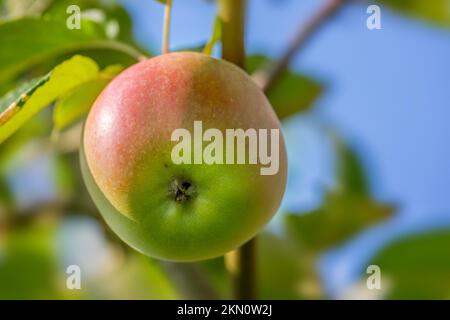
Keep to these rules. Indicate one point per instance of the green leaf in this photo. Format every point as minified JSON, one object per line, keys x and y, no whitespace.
{"x":6,"y":198}
{"x":283,"y":271}
{"x":61,"y":80}
{"x":217,"y":275}
{"x":345,"y":211}
{"x":195,"y":48}
{"x":278,"y":269}
{"x":293,"y":93}
{"x":216,"y":36}
{"x":109,"y":14}
{"x":417,"y":266}
{"x":340,"y":218}
{"x":436,"y":11}
{"x":51,"y":38}
{"x":37,"y":127}
{"x":256,"y":62}
{"x":350,"y":170}
{"x":137,"y":278}
{"x":18,"y":95}
{"x":28,"y":267}
{"x":18,"y":8}
{"x":79,"y":100}
{"x":63,"y":176}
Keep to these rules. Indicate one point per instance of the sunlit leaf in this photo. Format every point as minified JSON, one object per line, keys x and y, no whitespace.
{"x":19,"y":95}
{"x":61,"y":80}
{"x":417,"y":266}
{"x":79,"y":100}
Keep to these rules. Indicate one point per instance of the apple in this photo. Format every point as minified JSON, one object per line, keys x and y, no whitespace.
{"x":167,"y":210}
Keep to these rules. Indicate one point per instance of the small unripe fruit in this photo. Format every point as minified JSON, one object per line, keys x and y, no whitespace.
{"x":171,"y":211}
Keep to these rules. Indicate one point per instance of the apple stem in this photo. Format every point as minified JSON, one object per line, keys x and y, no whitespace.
{"x":166,"y":27}
{"x":232,"y":15}
{"x":243,"y":260}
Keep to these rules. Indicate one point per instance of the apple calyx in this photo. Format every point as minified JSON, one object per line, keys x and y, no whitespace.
{"x":181,"y":190}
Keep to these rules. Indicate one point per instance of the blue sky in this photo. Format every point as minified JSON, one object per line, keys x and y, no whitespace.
{"x":387,"y":93}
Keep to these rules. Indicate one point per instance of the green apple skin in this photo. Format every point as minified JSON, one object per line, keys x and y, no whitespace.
{"x":126,"y":158}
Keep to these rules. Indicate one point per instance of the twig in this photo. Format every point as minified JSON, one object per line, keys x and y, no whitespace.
{"x":305,"y":33}
{"x":166,"y":28}
{"x":241,"y":264}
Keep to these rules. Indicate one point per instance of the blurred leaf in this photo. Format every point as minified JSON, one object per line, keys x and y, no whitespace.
{"x":109,"y":14}
{"x":19,"y":8}
{"x":138,"y":278}
{"x":351,"y":173}
{"x":218,"y":276}
{"x":6,"y":199}
{"x":189,"y":279}
{"x":3,"y":11}
{"x":436,"y":11}
{"x":340,"y":218}
{"x":345,"y":211}
{"x":79,"y":100}
{"x":293,"y":93}
{"x":161,"y":1}
{"x":106,"y":36}
{"x":37,"y":127}
{"x":417,"y":266}
{"x":28,"y":266}
{"x":257,"y":62}
{"x":63,"y":78}
{"x":216,"y":36}
{"x":51,"y":38}
{"x":283,"y":271}
{"x":64,"y":178}
{"x":195,"y":48}
{"x":278,"y":269}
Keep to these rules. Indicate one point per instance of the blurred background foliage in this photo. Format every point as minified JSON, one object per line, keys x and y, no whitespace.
{"x":47,"y":220}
